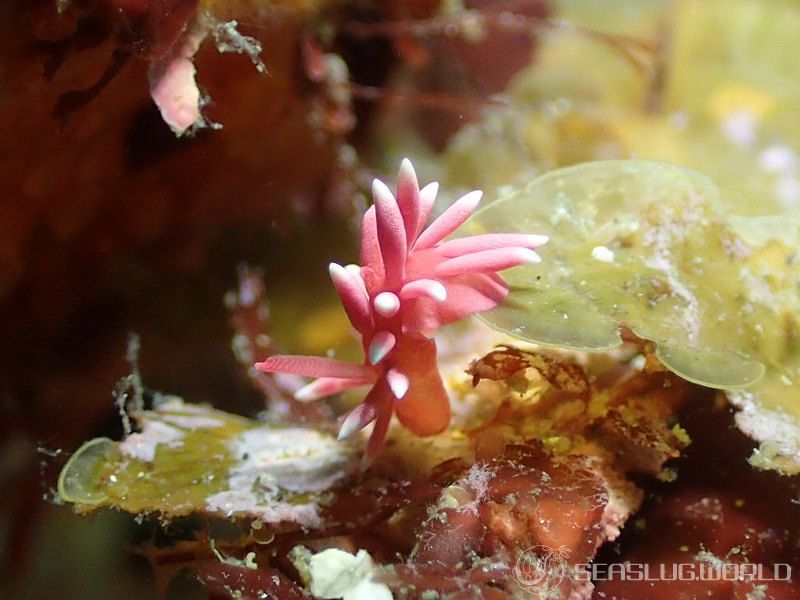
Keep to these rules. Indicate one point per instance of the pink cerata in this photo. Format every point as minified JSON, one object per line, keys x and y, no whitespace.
{"x":410,"y":282}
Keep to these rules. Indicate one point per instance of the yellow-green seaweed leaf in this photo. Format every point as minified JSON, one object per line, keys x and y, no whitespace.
{"x":728,"y":109}
{"x":639,"y":244}
{"x":80,"y":481}
{"x":193,"y":459}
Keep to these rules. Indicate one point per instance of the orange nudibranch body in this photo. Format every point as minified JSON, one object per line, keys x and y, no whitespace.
{"x":425,"y":408}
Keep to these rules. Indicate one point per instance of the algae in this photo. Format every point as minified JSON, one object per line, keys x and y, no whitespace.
{"x":725,"y":109}
{"x":722,"y":309}
{"x":193,"y":459}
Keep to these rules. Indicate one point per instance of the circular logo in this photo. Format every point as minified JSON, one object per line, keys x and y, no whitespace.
{"x":541,"y":569}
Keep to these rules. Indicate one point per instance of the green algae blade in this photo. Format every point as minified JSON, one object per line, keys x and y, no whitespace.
{"x":636,"y":244}
{"x":80,"y":481}
{"x":734,"y":120}
{"x":192,"y":459}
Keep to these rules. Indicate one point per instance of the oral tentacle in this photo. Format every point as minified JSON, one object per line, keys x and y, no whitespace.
{"x":316,"y":366}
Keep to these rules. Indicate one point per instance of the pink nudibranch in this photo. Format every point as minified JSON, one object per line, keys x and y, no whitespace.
{"x":409,"y":283}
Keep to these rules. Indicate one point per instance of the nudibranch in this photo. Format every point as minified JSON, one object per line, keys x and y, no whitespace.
{"x":410,"y":282}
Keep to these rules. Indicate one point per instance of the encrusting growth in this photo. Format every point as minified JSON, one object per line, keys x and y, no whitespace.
{"x":410,"y":282}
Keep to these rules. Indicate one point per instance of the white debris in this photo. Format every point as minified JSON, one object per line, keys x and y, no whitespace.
{"x":277,"y":461}
{"x":777,"y":430}
{"x":296,"y":458}
{"x":334,"y":573}
{"x":228,"y":39}
{"x":175,"y":404}
{"x":142,"y":445}
{"x":265,"y":506}
{"x":192,"y":422}
{"x":167,"y":424}
{"x":602,"y":254}
{"x":741,"y":127}
{"x":777,"y":158}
